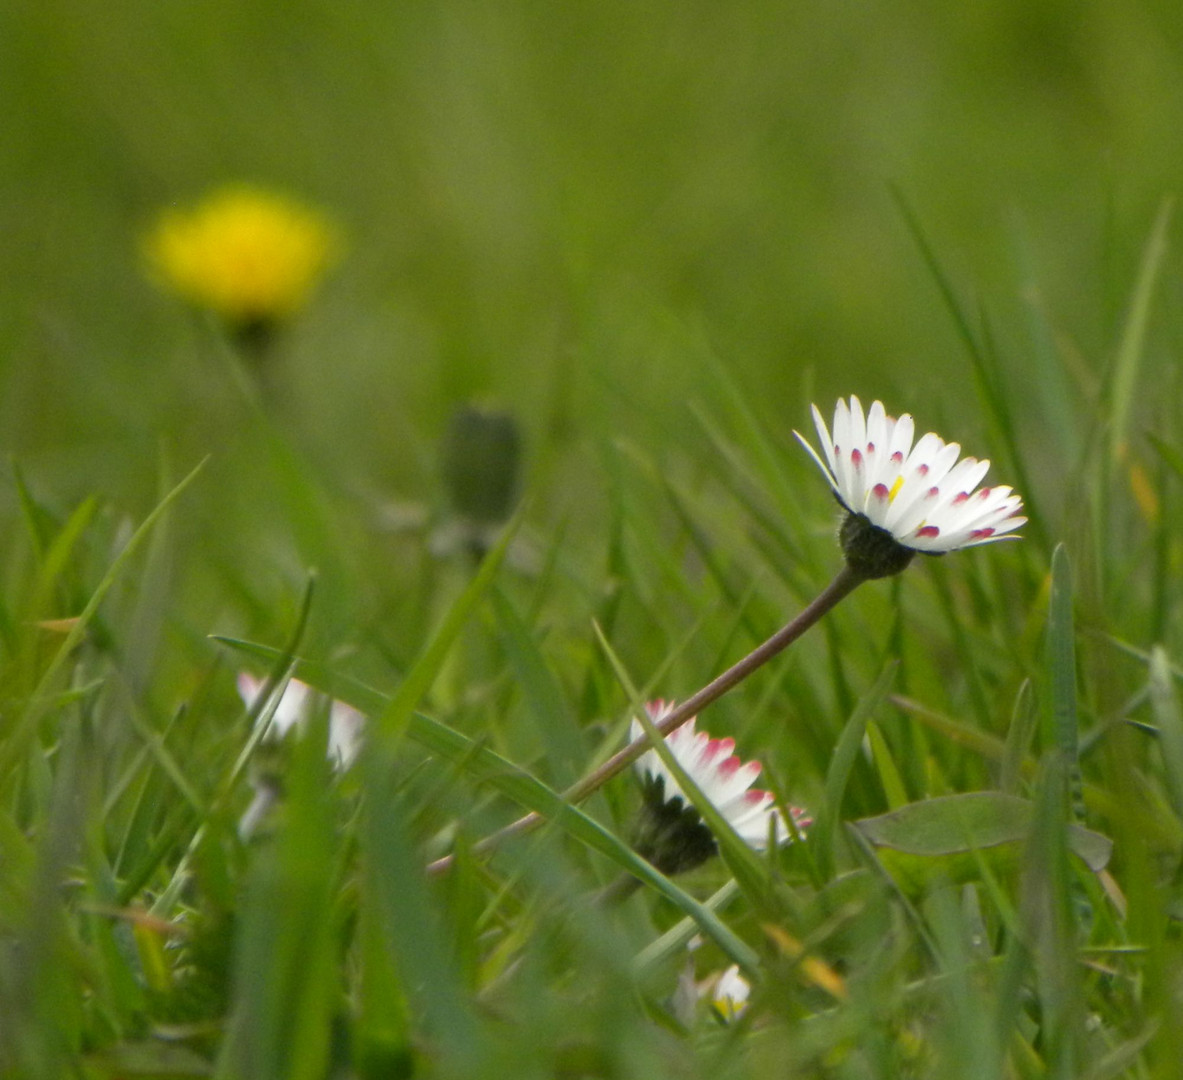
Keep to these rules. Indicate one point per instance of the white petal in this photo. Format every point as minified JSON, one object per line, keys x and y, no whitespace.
{"x":293,"y":709}
{"x":842,"y":445}
{"x":901,"y":437}
{"x":731,"y":992}
{"x":823,"y":433}
{"x":858,"y":425}
{"x":827,"y":470}
{"x":720,"y":776}
{"x":346,"y":726}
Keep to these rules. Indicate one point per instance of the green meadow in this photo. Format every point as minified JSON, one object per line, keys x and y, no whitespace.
{"x":520,"y":460}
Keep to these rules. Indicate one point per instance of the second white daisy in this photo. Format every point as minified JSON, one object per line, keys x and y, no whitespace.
{"x":671,"y":834}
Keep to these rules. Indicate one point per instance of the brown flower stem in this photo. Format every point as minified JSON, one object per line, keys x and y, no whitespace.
{"x":843,"y":584}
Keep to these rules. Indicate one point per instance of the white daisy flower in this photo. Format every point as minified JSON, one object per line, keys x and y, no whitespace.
{"x":921,"y":495}
{"x":296,"y":706}
{"x":729,"y":993}
{"x":672,"y":835}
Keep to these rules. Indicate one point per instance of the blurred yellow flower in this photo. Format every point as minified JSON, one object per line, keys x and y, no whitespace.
{"x":250,"y":256}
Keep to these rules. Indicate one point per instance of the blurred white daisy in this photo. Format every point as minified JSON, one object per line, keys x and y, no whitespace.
{"x":729,"y":993}
{"x":921,"y":496}
{"x":294,"y":709}
{"x":671,"y":834}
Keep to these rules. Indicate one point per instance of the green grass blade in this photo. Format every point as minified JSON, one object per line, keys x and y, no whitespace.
{"x":1023,"y":722}
{"x":889,"y":774}
{"x":1170,"y":454}
{"x":285,"y":978}
{"x":26,"y":724}
{"x":823,"y":835}
{"x":674,"y":941}
{"x":1169,"y":719}
{"x":487,"y":767}
{"x":544,"y":696}
{"x":1124,"y":377}
{"x":1061,"y":729}
{"x":389,"y":725}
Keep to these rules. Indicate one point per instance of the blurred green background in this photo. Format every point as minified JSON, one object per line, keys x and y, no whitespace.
{"x":565,"y":209}
{"x":622,"y":222}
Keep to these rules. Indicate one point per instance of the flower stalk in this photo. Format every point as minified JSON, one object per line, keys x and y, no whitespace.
{"x":901,"y":496}
{"x":843,"y":584}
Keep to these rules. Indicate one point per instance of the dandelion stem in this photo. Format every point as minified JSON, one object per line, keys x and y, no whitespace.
{"x":843,"y":584}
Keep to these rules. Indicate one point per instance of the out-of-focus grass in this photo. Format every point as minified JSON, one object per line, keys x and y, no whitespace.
{"x":655,"y":234}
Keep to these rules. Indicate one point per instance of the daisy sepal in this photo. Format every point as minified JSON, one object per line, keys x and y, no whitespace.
{"x":514,"y":782}
{"x":747,"y":866}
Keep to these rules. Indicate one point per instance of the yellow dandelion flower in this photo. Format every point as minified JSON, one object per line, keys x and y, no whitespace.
{"x":249,"y":256}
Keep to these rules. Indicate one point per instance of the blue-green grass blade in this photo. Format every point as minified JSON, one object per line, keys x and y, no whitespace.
{"x":674,"y":941}
{"x":1051,"y":926}
{"x":409,"y":930}
{"x":968,"y":1038}
{"x":382,"y":1036}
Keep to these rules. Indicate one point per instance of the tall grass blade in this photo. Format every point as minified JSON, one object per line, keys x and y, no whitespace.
{"x":1169,"y":720}
{"x":24,"y":728}
{"x":823,"y":835}
{"x":285,"y":976}
{"x":1061,"y":726}
{"x":1124,"y":376}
